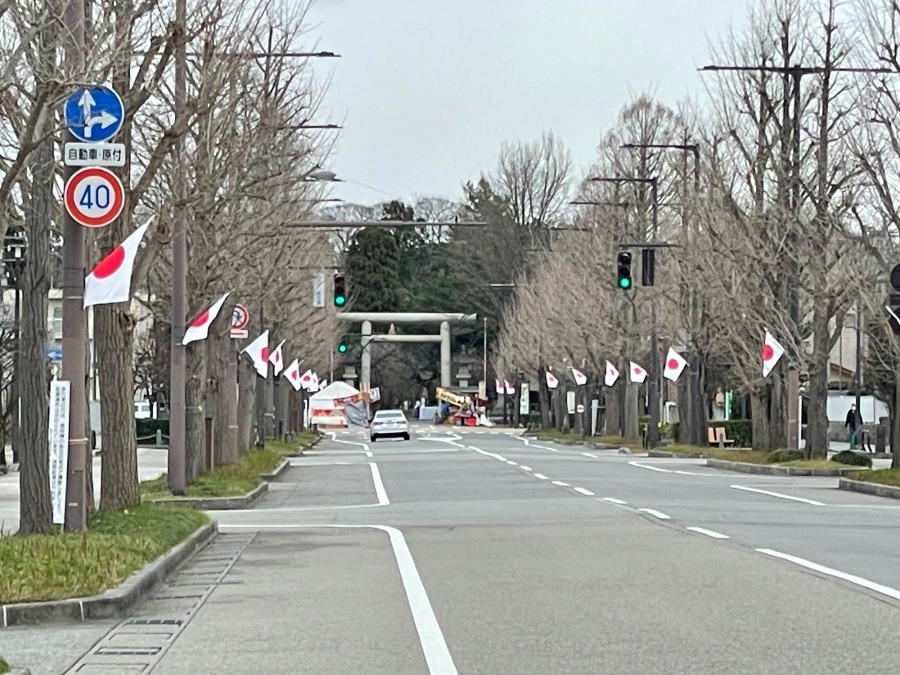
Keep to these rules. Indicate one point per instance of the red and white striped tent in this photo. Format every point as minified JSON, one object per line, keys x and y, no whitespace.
{"x":326,"y":407}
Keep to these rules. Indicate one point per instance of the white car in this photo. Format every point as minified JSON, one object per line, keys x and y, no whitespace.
{"x":388,"y":423}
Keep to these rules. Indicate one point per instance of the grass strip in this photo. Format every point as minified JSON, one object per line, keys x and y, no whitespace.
{"x":882,"y":476}
{"x":4,"y":666}
{"x":234,"y":479}
{"x":556,"y":435}
{"x":116,"y":544}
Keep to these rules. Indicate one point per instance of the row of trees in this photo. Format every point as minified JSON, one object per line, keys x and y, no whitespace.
{"x":233,"y":165}
{"x":788,"y":221}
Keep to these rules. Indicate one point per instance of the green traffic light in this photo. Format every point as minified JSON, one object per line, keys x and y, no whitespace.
{"x":339,"y":300}
{"x":625,"y":283}
{"x":342,"y":348}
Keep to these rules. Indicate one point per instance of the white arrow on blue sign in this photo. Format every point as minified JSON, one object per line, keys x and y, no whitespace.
{"x":94,"y":115}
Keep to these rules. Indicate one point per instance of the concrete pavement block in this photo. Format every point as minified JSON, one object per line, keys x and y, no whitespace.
{"x":116,"y":602}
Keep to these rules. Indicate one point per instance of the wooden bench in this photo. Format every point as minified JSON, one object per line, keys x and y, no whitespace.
{"x":716,"y":437}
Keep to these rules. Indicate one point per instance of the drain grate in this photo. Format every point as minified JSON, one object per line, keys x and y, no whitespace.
{"x":154,"y":622}
{"x":128,"y":651}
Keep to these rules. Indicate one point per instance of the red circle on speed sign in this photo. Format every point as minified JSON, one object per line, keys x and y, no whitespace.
{"x":94,"y":196}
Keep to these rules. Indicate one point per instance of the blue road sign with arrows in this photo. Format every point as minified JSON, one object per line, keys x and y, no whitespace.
{"x":95,"y":114}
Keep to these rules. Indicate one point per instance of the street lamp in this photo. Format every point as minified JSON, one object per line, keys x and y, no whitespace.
{"x":14,"y":245}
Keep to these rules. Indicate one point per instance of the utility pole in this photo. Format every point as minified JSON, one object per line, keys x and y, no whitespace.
{"x":654,"y":385}
{"x":178,"y":367}
{"x":74,"y":339}
{"x":792,"y":76}
{"x":260,"y":401}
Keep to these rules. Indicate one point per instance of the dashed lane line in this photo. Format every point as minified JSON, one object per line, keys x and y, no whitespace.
{"x":540,"y":476}
{"x":613,"y":500}
{"x":708,"y":533}
{"x":587,"y":493}
{"x":591,"y":455}
{"x":656,"y":514}
{"x":779,"y":495}
{"x":560,"y":483}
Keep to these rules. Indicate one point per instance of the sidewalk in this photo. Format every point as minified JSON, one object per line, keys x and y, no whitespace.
{"x":151,"y":463}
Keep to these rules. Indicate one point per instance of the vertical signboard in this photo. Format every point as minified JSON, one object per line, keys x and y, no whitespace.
{"x":319,"y":290}
{"x":59,"y":447}
{"x":524,"y":399}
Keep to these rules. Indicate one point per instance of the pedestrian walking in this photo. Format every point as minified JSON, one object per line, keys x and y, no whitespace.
{"x":850,"y":425}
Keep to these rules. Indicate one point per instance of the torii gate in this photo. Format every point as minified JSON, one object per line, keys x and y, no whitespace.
{"x":368,"y":318}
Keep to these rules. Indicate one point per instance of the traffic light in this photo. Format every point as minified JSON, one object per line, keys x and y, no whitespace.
{"x":343,"y":347}
{"x":624,"y":264}
{"x":893,"y":307}
{"x":340,"y":291}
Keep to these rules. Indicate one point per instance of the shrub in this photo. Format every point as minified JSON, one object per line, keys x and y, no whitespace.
{"x":852,"y":458}
{"x":781,"y":456}
{"x":147,"y":427}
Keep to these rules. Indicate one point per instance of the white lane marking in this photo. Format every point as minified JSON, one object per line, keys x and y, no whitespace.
{"x":379,"y":486}
{"x":540,"y":476}
{"x":588,"y":454}
{"x":708,"y":533}
{"x":560,"y":483}
{"x":583,"y":491}
{"x":777,"y":494}
{"x":364,"y":446}
{"x":655,"y":514}
{"x":512,"y":463}
{"x":613,"y":500}
{"x":434,"y":647}
{"x":332,"y":452}
{"x":641,"y":465}
{"x":851,"y":578}
{"x":525,"y":468}
{"x":486,"y":453}
{"x":647,"y":466}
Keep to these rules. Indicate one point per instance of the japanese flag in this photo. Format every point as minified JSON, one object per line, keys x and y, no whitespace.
{"x":314,"y":384}
{"x":276,"y":358}
{"x":258,"y":350}
{"x":110,"y":281}
{"x":292,"y":373}
{"x":510,"y":389}
{"x":771,"y":353}
{"x":675,"y":363}
{"x":552,"y":382}
{"x":580,"y":378}
{"x":609,"y":379}
{"x":636,"y":374}
{"x":306,"y":380}
{"x":498,"y":385}
{"x":199,"y":328}
{"x":323,"y":384}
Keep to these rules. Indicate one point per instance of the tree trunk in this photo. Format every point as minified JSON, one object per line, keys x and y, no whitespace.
{"x":699,"y":406}
{"x":195,"y":420}
{"x":895,"y":423}
{"x":544,"y":398}
{"x":686,"y":402}
{"x":113,"y":331}
{"x":226,"y":447}
{"x":759,"y":406}
{"x":35,"y":508}
{"x":246,"y":398}
{"x":612,"y":415}
{"x":817,"y":420}
{"x":631,"y":427}
{"x":778,"y":409}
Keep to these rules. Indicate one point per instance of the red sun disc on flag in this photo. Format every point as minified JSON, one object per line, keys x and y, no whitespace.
{"x":295,"y":375}
{"x":110,"y":264}
{"x":277,"y":357}
{"x":673,"y":364}
{"x":264,"y":354}
{"x":768,"y":352}
{"x":637,"y":371}
{"x":201,"y":320}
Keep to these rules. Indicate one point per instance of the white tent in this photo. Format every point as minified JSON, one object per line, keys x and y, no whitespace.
{"x":322,"y":407}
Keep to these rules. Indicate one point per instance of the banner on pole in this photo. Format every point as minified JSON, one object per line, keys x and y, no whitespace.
{"x":59,"y":447}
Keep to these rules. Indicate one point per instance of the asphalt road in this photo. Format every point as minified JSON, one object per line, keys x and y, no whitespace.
{"x":483,"y":552}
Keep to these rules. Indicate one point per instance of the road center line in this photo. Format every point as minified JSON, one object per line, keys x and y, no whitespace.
{"x":647,"y":466}
{"x":613,"y":500}
{"x":851,"y":578}
{"x":525,"y":468}
{"x":541,"y":476}
{"x":583,"y":491}
{"x":560,"y":483}
{"x":655,"y":514}
{"x":512,"y":463}
{"x":591,"y":455}
{"x":708,"y":533}
{"x":777,"y":494}
{"x":379,"y":486}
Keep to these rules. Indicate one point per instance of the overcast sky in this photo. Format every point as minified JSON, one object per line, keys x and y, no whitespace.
{"x":427,"y":90}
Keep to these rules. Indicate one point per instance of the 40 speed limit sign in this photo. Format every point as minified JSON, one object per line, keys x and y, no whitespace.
{"x":94,"y":196}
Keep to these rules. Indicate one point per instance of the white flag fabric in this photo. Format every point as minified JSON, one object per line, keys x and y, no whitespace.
{"x":498,"y":386}
{"x":609,"y":379}
{"x":771,"y":354}
{"x":323,"y":384}
{"x":306,"y":380}
{"x":276,"y":358}
{"x":292,"y":373}
{"x":314,"y":385}
{"x":636,"y":373}
{"x":580,"y":378}
{"x":510,"y":389}
{"x":110,"y":280}
{"x":199,"y":328}
{"x":552,"y":382}
{"x":258,"y":350}
{"x":675,"y":363}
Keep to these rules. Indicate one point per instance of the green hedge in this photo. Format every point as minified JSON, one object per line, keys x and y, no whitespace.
{"x":149,"y":427}
{"x":740,"y":431}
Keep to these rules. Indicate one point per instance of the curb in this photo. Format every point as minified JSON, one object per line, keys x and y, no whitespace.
{"x":769,"y":470}
{"x":117,"y":602}
{"x":674,"y":455}
{"x":215,"y":503}
{"x":280,"y":469}
{"x":876,"y":489}
{"x":300,"y":452}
